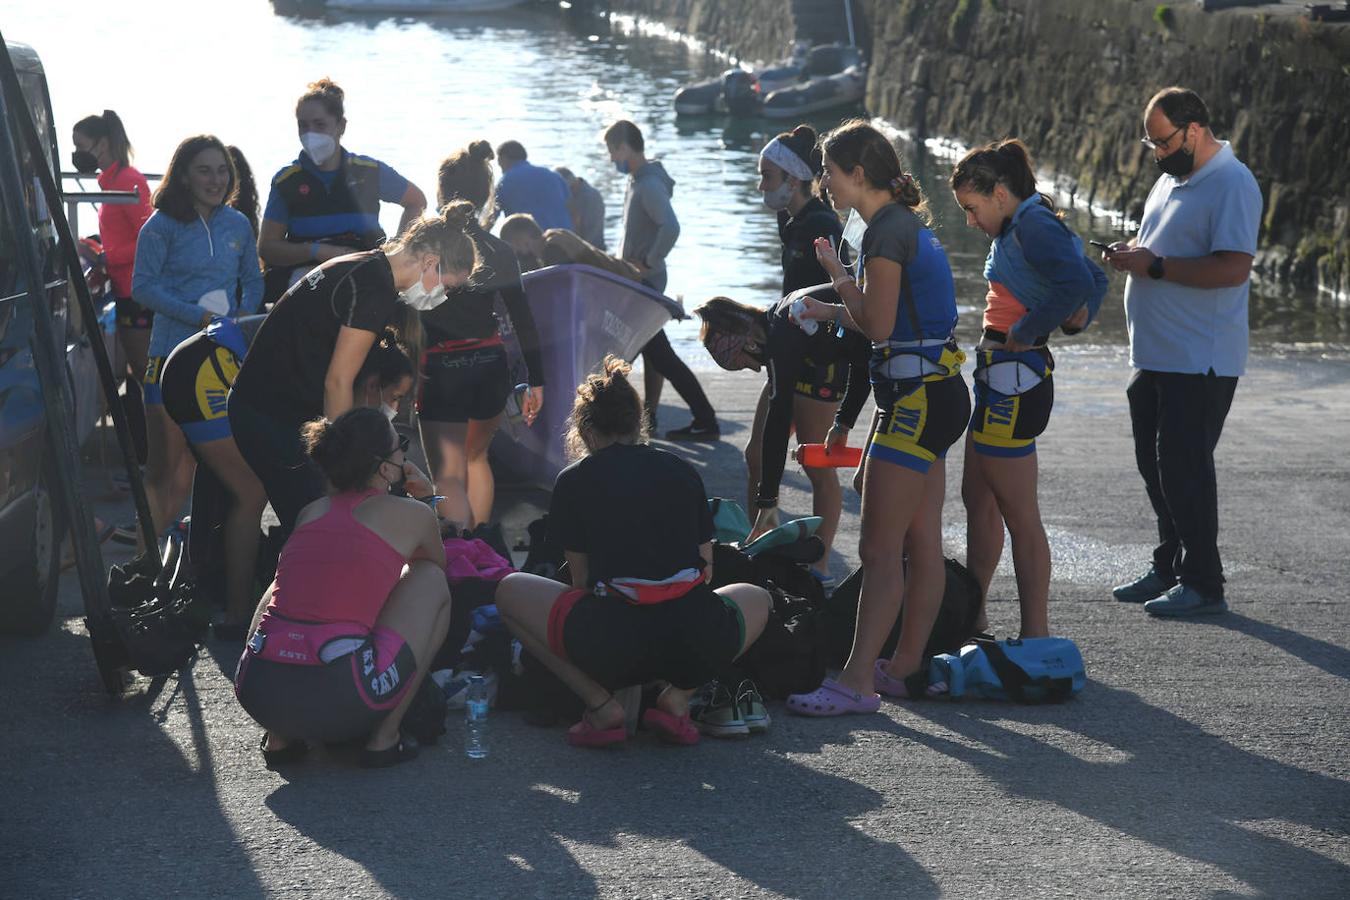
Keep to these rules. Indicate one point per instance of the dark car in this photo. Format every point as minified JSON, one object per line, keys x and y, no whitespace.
{"x":32,"y":522}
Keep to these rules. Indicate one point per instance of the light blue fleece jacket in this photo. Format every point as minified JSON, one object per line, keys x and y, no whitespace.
{"x":177,"y":262}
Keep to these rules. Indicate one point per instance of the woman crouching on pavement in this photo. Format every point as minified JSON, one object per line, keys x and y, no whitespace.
{"x":343,"y":636}
{"x":634,"y":524}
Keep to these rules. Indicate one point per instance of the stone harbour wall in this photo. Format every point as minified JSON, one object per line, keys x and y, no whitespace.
{"x":1071,"y":77}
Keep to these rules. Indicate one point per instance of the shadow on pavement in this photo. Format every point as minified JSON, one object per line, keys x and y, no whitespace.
{"x":531,"y":825}
{"x":1159,"y":778}
{"x":1330,"y":658}
{"x":102,"y":801}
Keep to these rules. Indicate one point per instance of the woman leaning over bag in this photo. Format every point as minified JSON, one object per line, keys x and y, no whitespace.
{"x":902,"y":297}
{"x":195,"y":260}
{"x":304,"y":362}
{"x":1038,"y":279}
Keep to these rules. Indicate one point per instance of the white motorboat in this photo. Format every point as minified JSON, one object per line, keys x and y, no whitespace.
{"x":419,"y":7}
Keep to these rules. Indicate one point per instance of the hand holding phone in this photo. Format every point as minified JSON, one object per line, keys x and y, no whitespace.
{"x":1104,"y":247}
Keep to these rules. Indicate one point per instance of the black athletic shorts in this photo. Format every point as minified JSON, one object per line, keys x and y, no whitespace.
{"x":822,"y":381}
{"x":465,"y":384}
{"x":194,"y":383}
{"x":1008,"y":424}
{"x":131,"y":314}
{"x":685,"y":641}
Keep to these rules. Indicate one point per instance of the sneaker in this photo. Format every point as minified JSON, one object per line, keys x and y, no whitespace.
{"x":753,"y":710}
{"x":716,"y":713}
{"x":695,"y":432}
{"x":1183,"y":600}
{"x":1143,"y":589}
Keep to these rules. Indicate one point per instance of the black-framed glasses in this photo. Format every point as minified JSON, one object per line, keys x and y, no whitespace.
{"x":1151,"y":144}
{"x":403,"y":444}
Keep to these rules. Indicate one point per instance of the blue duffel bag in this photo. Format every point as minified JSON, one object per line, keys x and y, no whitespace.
{"x":1034,"y":670}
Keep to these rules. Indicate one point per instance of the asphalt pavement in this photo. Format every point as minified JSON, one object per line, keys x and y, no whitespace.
{"x":1205,"y":758}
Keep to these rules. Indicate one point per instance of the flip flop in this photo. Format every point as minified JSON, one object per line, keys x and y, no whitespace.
{"x":403,"y":750}
{"x":584,"y":734}
{"x":911,"y":687}
{"x":832,"y":699}
{"x":678,"y":730}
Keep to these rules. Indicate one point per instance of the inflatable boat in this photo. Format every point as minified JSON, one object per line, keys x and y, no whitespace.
{"x":583,"y":314}
{"x":419,"y":7}
{"x":823,"y":77}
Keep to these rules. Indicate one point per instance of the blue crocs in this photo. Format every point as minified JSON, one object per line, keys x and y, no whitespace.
{"x":1143,"y":589}
{"x":1184,"y":600}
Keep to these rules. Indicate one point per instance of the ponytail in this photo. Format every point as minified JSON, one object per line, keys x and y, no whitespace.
{"x":109,"y":126}
{"x":466,"y":174}
{"x":1005,"y":162}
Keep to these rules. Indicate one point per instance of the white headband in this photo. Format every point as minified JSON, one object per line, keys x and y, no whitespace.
{"x":778,"y":153}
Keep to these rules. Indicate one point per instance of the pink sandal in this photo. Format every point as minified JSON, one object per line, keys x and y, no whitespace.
{"x":585,"y":734}
{"x":912,"y":687}
{"x":671,"y":729}
{"x":832,"y":699}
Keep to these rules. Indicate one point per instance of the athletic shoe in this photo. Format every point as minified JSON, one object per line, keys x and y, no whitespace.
{"x":1184,"y":600}
{"x":695,"y":432}
{"x":1143,"y":589}
{"x":716,"y":713}
{"x":753,"y":710}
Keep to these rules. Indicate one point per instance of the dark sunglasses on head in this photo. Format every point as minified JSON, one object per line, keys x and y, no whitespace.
{"x":403,"y":443}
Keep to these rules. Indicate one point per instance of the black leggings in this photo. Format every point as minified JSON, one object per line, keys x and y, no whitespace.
{"x":659,"y":355}
{"x":273,"y":450}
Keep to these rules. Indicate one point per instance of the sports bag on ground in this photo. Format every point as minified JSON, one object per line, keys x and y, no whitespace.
{"x":1033,"y":670}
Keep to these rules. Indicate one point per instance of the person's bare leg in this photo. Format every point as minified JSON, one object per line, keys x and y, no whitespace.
{"x":444,"y":444}
{"x":482,"y":488}
{"x":1013,"y":481}
{"x":242,"y":525}
{"x":418,"y":609}
{"x":984,"y":526}
{"x":754,"y":449}
{"x":524,"y":602}
{"x":926,"y":577}
{"x":891,"y":495}
{"x":813,"y":419}
{"x":754,"y":603}
{"x":169,"y":468}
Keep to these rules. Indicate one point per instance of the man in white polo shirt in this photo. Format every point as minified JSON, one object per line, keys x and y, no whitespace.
{"x":1186,"y":307}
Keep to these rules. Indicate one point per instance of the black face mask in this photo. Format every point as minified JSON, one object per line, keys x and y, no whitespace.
{"x":1179,"y":163}
{"x":84,"y":162}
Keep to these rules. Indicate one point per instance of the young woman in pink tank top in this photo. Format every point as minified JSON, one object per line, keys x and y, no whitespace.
{"x":360,"y":604}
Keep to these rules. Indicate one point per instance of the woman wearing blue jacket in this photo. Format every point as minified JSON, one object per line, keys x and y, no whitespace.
{"x":196,"y":259}
{"x":1038,"y":280}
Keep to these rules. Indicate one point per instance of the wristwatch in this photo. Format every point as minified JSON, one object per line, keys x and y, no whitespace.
{"x":1155,"y":268}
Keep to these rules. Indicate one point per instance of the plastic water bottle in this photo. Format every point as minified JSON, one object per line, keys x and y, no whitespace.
{"x":813,"y":456}
{"x":475,"y":719}
{"x":795,"y":316}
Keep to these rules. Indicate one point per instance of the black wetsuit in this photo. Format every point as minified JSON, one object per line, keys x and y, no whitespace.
{"x":816,"y":366}
{"x":467,"y":376}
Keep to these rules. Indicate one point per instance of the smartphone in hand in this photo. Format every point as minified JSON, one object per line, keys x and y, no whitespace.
{"x":1104,"y":247}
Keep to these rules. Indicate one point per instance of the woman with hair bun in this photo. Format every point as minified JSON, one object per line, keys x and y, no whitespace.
{"x":1039,"y":279}
{"x":327,"y":203}
{"x":305,"y":359}
{"x":902,"y":297}
{"x":635,"y":527}
{"x":465,"y":375}
{"x":344,"y":635}
{"x":807,"y":375}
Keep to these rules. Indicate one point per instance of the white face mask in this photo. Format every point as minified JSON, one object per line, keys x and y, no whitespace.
{"x":779,"y":197}
{"x":389,"y":411}
{"x":320,"y":147}
{"x":418,"y":297}
{"x":854,"y":229}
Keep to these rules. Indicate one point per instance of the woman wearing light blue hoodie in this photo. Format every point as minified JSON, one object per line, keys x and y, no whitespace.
{"x":196,"y":259}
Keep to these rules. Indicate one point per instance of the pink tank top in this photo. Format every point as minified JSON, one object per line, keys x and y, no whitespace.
{"x":334,"y":569}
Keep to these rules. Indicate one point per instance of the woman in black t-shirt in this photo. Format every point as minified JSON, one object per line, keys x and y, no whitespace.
{"x":304,"y":361}
{"x":635,"y":527}
{"x":466,"y":378}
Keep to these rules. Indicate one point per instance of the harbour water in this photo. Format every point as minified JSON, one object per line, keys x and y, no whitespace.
{"x":419,"y":88}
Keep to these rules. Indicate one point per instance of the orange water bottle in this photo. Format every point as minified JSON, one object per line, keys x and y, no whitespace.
{"x":813,"y":456}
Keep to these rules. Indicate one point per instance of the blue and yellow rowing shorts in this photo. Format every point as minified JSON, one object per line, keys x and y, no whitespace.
{"x":154,"y":371}
{"x":195,"y":382}
{"x":917,"y":421}
{"x":1007,"y":424}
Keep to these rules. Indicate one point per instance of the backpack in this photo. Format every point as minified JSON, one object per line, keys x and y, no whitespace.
{"x":954,"y":626}
{"x":788,"y":657}
{"x":1032,"y":670}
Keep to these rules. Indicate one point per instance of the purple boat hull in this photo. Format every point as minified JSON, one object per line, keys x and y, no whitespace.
{"x":583,"y":314}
